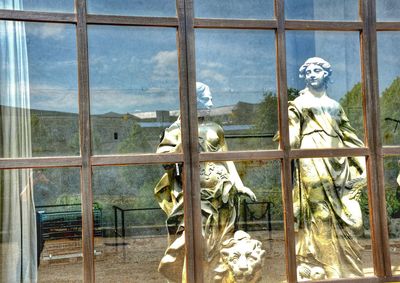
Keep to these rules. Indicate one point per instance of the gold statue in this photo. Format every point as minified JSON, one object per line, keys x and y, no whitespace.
{"x":220,"y":186}
{"x":326,"y":190}
{"x":241,"y":260}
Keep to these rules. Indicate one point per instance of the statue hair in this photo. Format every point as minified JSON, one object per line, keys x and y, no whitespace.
{"x":325,"y":65}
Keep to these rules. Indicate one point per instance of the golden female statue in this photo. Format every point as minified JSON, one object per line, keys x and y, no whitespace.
{"x":220,"y":186}
{"x":326,"y":190}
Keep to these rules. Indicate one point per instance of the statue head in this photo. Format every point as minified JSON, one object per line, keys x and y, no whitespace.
{"x":241,"y":260}
{"x":316,"y":72}
{"x":204,"y":96}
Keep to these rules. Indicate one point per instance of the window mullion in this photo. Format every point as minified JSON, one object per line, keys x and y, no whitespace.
{"x":85,"y":146}
{"x":379,"y":230}
{"x":284,"y":143}
{"x":189,"y":135}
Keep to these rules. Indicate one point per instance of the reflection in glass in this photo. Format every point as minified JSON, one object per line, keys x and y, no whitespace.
{"x":250,"y":9}
{"x":220,"y":189}
{"x":392,"y":192}
{"x":389,"y":86}
{"x":134,"y":87}
{"x":38,"y":89}
{"x":388,"y":10}
{"x":259,"y":251}
{"x":324,"y":10}
{"x":239,"y":68}
{"x":330,"y":209}
{"x":41,"y":225}
{"x":165,"y":8}
{"x":342,"y":51}
{"x":66,"y":6}
{"x":131,"y":237}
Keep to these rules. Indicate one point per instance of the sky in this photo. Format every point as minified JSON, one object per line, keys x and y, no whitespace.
{"x":135,"y":69}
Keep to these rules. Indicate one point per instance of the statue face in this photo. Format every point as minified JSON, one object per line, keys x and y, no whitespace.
{"x":245,"y":260}
{"x":204,"y":99}
{"x":315,"y":76}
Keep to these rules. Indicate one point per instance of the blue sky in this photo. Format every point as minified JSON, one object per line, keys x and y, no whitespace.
{"x":135,"y":69}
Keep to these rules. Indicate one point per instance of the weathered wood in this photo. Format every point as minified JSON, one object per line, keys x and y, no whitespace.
{"x":33,"y":16}
{"x":391,"y":150}
{"x":85,"y":146}
{"x":115,"y":160}
{"x":376,"y":192}
{"x":328,"y":152}
{"x":40,"y":162}
{"x":388,"y":26}
{"x":241,"y":155}
{"x":234,"y":24}
{"x":132,"y":21}
{"x":191,"y":174}
{"x":323,"y":25}
{"x":286,"y":177}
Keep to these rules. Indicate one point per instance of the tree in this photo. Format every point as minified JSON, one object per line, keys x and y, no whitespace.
{"x":390,"y":108}
{"x":353,"y":107}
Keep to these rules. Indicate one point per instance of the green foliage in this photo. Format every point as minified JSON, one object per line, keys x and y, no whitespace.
{"x":136,"y":141}
{"x":390,"y":108}
{"x":353,"y":107}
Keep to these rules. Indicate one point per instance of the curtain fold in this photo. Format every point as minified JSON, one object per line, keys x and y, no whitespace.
{"x":17,"y":211}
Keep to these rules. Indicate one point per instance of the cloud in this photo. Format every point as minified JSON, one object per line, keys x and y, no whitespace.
{"x":45,"y":31}
{"x":52,"y":98}
{"x":211,"y":75}
{"x":123,"y":101}
{"x":166,"y":63}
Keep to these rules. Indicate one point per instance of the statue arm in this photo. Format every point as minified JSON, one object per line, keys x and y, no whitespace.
{"x":171,"y":139}
{"x":234,"y":175}
{"x":350,"y":139}
{"x":294,"y":125}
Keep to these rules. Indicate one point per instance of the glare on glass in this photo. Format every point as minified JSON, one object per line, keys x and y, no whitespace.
{"x":39,"y":103}
{"x":66,"y":6}
{"x":165,"y":8}
{"x":133,"y":87}
{"x":392,"y":192}
{"x":238,"y":69}
{"x":131,"y":237}
{"x":389,"y":85}
{"x":250,"y":9}
{"x":41,"y":225}
{"x":244,"y":233}
{"x":331,"y":217}
{"x":388,"y":10}
{"x":324,"y":10}
{"x":325,"y":93}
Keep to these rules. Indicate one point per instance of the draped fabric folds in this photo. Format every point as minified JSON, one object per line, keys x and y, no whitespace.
{"x":18,"y":247}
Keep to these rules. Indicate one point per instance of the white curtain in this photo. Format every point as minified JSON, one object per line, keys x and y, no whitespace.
{"x":18,"y":248}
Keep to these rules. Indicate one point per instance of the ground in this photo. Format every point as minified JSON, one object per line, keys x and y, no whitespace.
{"x":136,"y":259}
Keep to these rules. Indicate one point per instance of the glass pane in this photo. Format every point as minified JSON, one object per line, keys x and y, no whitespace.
{"x":165,"y":8}
{"x":242,"y":217}
{"x":388,"y":10}
{"x":330,"y":204}
{"x":40,"y":225}
{"x":38,"y":86}
{"x":237,"y":87}
{"x":131,"y":235}
{"x":134,"y":87}
{"x":389,"y":86}
{"x":325,"y":93}
{"x":66,"y":6}
{"x":392,"y":191}
{"x":324,"y":10}
{"x":250,"y":9}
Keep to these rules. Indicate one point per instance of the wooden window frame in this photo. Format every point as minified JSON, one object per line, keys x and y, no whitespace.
{"x":185,"y":24}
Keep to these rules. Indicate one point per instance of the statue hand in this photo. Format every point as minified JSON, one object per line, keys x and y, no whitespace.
{"x":355,"y":187}
{"x":246,"y":191}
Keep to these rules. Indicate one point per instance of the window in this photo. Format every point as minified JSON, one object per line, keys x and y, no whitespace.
{"x":118,"y":117}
